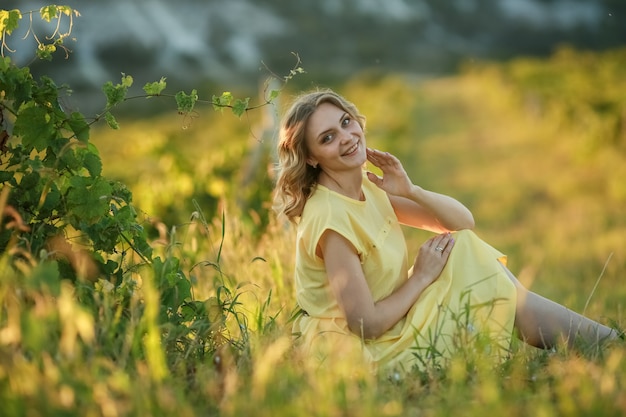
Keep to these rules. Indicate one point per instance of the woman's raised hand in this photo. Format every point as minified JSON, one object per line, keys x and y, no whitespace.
{"x":395,"y":180}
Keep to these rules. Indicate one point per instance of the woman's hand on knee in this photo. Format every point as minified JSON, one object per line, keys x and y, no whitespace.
{"x":432,"y":257}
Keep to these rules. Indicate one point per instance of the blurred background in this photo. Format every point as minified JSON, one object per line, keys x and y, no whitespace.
{"x":235,"y":42}
{"x":515,"y":107}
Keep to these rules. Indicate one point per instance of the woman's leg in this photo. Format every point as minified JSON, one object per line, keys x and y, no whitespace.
{"x":543,"y":323}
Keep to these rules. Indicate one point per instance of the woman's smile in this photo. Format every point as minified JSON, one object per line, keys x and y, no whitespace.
{"x":353,"y":149}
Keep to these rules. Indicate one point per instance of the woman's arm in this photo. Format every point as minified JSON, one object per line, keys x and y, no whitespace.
{"x":431,"y":211}
{"x":367,"y":318}
{"x":413,"y":205}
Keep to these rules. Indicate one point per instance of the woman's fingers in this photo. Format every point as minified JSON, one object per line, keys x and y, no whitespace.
{"x":442,"y":244}
{"x":379,"y":158}
{"x":445,"y":253}
{"x":388,"y":163}
{"x":375,"y":178}
{"x":372,"y":157}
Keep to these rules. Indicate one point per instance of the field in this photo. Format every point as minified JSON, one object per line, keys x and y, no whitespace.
{"x":537,"y":151}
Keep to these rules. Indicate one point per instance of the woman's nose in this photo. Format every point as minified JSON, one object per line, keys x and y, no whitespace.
{"x":347,"y":137}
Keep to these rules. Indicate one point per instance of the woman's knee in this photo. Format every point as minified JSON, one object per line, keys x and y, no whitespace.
{"x":512,"y":277}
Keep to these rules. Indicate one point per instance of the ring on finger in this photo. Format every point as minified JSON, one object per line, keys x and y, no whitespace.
{"x":438,"y":249}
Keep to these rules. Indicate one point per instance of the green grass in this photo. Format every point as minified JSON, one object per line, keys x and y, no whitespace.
{"x":543,"y":189}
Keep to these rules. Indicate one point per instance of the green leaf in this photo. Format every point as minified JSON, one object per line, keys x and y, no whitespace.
{"x":46,"y":94}
{"x":10,"y":75}
{"x":79,"y":126}
{"x":273,"y":95}
{"x":35,"y":126}
{"x":71,"y":160}
{"x":88,"y":198}
{"x":5,"y":64}
{"x":222,"y":101}
{"x":121,"y":192}
{"x":93,"y":164}
{"x":125,"y":216}
{"x":127,"y":80}
{"x":111,"y":121}
{"x":141,"y":246}
{"x":67,"y":10}
{"x":155,"y":88}
{"x":9,"y":20}
{"x":186,"y":102}
{"x":51,"y":202}
{"x":30,"y":180}
{"x":240,"y":106}
{"x":190,"y":310}
{"x":293,"y":72}
{"x":49,"y":12}
{"x":17,"y":83}
{"x":183,"y":288}
{"x":45,"y":51}
{"x":104,"y":233}
{"x":6,"y":176}
{"x":175,"y":288}
{"x":116,"y":94}
{"x":109,"y":267}
{"x":35,"y":164}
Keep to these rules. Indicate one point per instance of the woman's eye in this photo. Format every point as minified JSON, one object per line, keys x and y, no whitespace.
{"x":327,"y":138}
{"x":346,"y":121}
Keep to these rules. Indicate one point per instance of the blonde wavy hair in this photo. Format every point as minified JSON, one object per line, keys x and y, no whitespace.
{"x":295,"y":178}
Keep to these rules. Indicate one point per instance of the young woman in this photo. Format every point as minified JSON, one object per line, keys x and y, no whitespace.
{"x":353,"y":280}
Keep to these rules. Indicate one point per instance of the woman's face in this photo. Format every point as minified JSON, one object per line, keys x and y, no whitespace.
{"x":334,"y":140}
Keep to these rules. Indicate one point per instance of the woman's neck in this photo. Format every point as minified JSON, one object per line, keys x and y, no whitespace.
{"x":347,"y":184}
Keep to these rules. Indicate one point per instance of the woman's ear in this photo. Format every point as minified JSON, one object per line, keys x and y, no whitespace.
{"x":312,"y":162}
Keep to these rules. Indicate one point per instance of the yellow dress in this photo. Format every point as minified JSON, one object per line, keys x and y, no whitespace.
{"x":472,"y":302}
